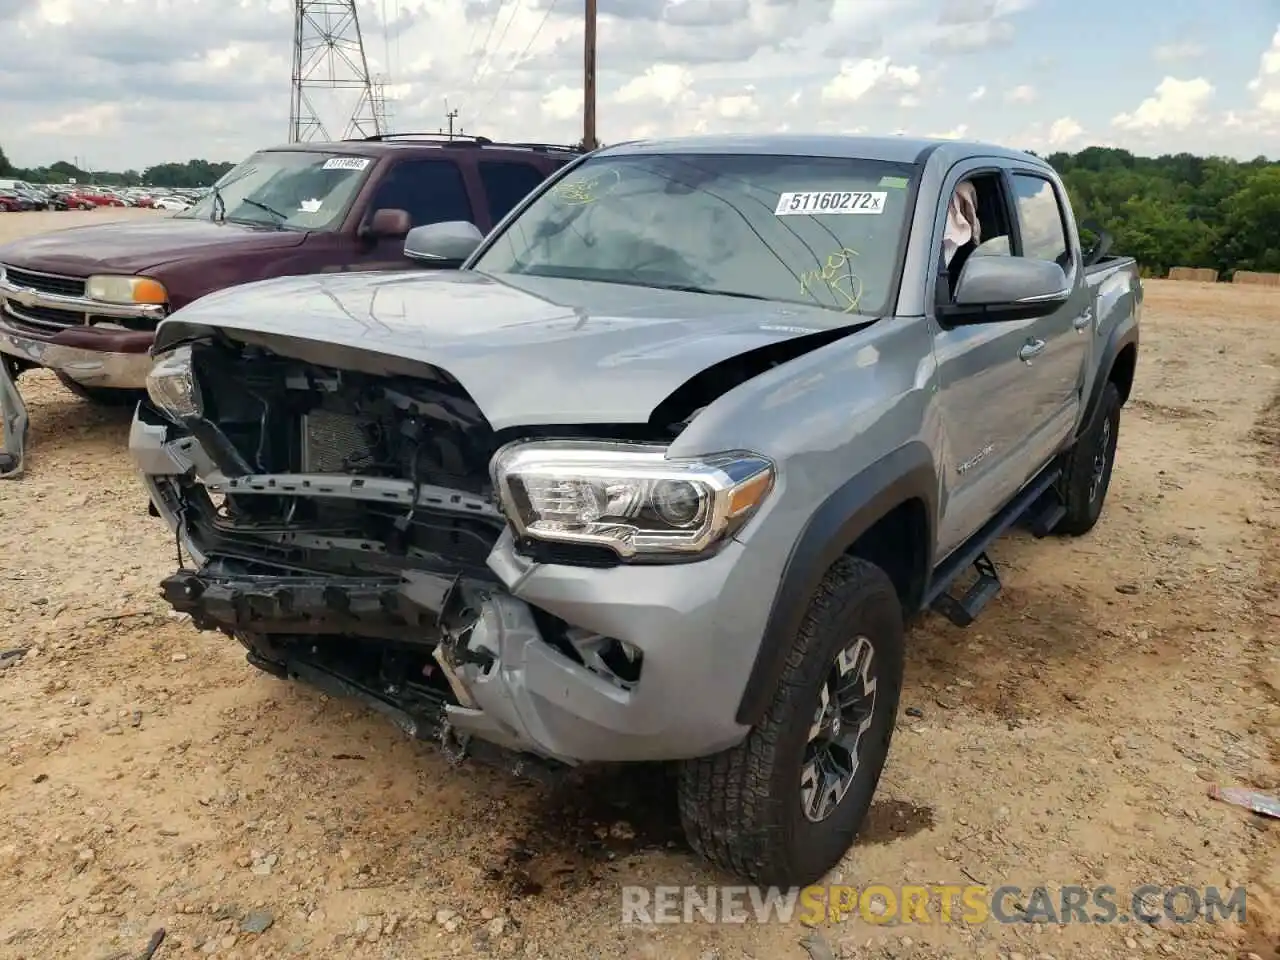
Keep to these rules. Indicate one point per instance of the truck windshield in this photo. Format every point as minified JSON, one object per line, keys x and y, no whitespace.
{"x":285,"y":188}
{"x":816,"y":230}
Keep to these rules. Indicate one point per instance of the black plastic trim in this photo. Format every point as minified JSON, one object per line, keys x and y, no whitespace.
{"x":1120,"y":338}
{"x":906,"y":474}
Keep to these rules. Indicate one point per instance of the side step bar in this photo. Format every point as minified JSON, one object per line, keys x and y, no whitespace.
{"x":963,"y":610}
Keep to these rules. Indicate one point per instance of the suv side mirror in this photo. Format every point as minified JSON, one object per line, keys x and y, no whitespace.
{"x":388,"y":223}
{"x":447,"y":241}
{"x":991,"y":289}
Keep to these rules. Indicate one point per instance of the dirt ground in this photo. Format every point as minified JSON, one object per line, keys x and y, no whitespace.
{"x":153,"y":780}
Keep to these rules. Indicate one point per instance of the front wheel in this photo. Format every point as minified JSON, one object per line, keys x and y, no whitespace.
{"x":783,"y":807}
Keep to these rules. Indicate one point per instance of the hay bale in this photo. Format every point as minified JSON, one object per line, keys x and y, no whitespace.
{"x":1194,"y":274}
{"x":1256,"y":278}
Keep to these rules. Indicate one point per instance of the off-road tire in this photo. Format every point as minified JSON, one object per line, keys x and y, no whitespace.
{"x":741,"y":808}
{"x":1083,"y":502}
{"x":102,"y":396}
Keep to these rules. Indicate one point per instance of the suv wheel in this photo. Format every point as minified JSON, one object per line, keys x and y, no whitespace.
{"x":1088,"y":474}
{"x":783,"y":806}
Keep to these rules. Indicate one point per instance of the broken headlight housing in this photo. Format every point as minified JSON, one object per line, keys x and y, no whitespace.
{"x":172,"y":387}
{"x":630,"y":498}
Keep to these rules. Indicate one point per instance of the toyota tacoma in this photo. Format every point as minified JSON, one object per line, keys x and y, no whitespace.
{"x":661,"y":473}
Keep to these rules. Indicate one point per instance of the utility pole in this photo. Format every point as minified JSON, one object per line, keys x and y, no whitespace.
{"x":451,"y":116}
{"x":589,"y":141}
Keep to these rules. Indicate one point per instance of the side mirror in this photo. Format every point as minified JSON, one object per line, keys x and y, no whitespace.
{"x":447,"y":241}
{"x":991,"y":289}
{"x":388,"y":223}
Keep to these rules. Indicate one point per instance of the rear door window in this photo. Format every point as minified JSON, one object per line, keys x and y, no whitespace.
{"x":430,"y":191}
{"x":507,"y":183}
{"x":1044,"y":236}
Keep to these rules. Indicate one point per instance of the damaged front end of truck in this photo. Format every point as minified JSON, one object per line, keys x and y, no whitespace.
{"x":369,"y":532}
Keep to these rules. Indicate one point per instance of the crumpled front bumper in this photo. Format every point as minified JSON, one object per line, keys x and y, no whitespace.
{"x":517,"y":690}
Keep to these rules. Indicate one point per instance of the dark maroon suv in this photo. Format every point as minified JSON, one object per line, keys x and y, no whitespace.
{"x":84,"y":302}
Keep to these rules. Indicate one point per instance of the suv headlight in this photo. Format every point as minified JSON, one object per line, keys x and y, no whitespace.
{"x":172,"y":387}
{"x":110,"y":289}
{"x":628,"y":497}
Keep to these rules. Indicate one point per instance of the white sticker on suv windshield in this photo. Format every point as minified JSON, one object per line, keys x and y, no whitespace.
{"x":345,"y":163}
{"x":811,"y":202}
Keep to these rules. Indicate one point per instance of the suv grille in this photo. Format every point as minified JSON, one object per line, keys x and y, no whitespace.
{"x":47,"y":282}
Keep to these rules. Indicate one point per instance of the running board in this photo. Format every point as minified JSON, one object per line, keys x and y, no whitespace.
{"x":963,"y":610}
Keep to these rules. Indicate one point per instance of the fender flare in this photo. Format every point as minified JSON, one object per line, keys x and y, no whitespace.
{"x":1121,"y":337}
{"x":905,"y":474}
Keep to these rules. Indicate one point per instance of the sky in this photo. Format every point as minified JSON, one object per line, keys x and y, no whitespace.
{"x":120,"y":84}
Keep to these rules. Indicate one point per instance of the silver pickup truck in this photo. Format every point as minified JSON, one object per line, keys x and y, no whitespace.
{"x":663,"y":470}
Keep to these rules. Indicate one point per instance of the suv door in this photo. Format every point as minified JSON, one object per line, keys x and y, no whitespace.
{"x":983,"y":383}
{"x":1062,"y":337}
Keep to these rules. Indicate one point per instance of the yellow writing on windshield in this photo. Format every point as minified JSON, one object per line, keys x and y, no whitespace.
{"x":836,"y":275}
{"x":579,"y":190}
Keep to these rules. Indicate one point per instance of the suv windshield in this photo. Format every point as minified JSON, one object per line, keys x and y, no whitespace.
{"x":816,"y":230}
{"x":285,"y":188}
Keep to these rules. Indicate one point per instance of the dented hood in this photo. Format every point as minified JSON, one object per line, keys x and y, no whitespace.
{"x":529,"y":350}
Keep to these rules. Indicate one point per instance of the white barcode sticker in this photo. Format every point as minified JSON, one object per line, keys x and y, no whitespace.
{"x":345,"y":163}
{"x":810,"y":202}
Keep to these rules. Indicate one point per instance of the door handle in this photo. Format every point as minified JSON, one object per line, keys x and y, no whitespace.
{"x":1083,"y":320}
{"x":1030,"y":349}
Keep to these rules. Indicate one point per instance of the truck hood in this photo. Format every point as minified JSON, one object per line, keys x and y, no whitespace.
{"x":528,"y":350}
{"x":137,"y":246}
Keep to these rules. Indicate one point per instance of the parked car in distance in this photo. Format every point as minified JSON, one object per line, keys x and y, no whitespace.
{"x":85,"y":301}
{"x":169,"y":203}
{"x":661,"y":473}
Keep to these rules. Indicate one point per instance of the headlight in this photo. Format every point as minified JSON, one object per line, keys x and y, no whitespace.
{"x":126,"y":290}
{"x":629,"y":498}
{"x":172,"y":386}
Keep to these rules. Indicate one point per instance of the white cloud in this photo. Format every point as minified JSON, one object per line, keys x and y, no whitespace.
{"x":1024,"y":93}
{"x":1177,"y":105}
{"x":957,"y":132}
{"x":978,"y":94}
{"x":736,"y":107}
{"x":663,"y":83}
{"x":857,"y":78}
{"x":1266,"y":85}
{"x":1177,"y":51}
{"x":1064,"y":132}
{"x":563,"y":103}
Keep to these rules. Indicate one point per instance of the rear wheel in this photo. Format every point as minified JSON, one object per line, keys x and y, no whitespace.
{"x":784,"y":806}
{"x":1089,"y":465}
{"x":102,"y":396}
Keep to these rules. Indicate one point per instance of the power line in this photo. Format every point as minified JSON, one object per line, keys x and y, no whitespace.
{"x":515,"y":8}
{"x":475,"y":71}
{"x":516,"y":62}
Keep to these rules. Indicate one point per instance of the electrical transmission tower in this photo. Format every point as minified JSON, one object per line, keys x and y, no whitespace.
{"x":328,"y":54}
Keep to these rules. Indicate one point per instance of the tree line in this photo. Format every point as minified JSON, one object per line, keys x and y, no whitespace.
{"x":1168,"y":211}
{"x":193,"y":173}
{"x":1179,"y":210}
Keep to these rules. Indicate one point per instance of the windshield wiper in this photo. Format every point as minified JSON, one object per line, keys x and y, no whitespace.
{"x":694,"y":288}
{"x":262,"y":206}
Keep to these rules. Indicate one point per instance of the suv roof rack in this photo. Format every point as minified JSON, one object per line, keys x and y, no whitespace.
{"x":467,"y":139}
{"x":378,"y":137}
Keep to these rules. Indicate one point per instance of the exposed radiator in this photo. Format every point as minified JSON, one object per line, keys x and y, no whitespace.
{"x":337,"y":442}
